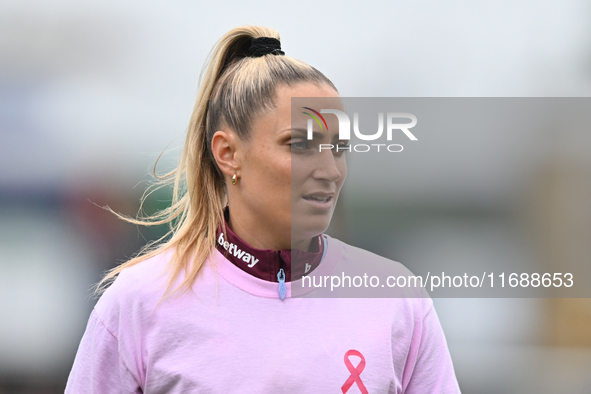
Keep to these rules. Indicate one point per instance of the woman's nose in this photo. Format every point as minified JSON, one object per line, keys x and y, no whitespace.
{"x":326,"y":166}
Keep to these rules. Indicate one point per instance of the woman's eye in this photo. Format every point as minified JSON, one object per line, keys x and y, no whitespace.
{"x":300,"y":145}
{"x":341,"y":148}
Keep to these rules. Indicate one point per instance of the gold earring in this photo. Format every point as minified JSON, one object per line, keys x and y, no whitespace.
{"x":234,"y":179}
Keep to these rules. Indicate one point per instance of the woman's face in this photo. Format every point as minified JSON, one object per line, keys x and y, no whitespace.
{"x":288,"y":187}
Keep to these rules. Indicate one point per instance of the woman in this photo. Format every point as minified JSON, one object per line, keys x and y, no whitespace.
{"x":211,"y":309}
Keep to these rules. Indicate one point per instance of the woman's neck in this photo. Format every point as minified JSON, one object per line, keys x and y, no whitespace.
{"x":263,"y":237}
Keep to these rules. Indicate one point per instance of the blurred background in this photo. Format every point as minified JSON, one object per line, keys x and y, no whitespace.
{"x":92,"y":93}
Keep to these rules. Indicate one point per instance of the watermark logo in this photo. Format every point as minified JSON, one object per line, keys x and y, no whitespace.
{"x":310,"y":124}
{"x":392,"y":126}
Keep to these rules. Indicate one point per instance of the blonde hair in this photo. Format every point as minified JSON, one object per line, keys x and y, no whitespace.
{"x":234,"y":88}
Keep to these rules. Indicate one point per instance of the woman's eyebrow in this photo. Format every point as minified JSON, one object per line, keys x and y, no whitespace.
{"x":304,"y":132}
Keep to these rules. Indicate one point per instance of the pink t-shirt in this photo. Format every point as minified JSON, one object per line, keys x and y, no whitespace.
{"x":233,"y":334}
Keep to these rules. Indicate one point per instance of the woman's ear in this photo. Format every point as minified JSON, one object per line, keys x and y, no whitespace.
{"x":224,"y":146}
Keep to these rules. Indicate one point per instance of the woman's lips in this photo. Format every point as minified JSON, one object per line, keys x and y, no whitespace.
{"x":319,"y":200}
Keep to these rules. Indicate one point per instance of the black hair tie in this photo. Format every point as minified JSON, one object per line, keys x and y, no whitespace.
{"x":264,"y":46}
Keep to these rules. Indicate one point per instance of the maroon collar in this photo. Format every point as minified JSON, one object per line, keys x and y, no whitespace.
{"x":266,"y":263}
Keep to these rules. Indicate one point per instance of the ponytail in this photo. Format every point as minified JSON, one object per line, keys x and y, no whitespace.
{"x":234,"y":88}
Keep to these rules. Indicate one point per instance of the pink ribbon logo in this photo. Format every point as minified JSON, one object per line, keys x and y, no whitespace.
{"x":355,"y":372}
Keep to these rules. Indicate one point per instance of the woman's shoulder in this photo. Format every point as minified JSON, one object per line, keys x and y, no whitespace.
{"x":140,"y":285}
{"x":382,"y":277}
{"x":350,"y":254}
{"x":143,"y":275}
